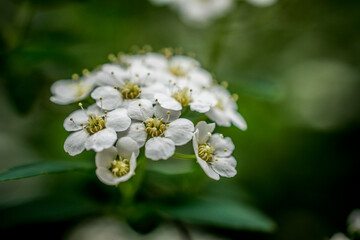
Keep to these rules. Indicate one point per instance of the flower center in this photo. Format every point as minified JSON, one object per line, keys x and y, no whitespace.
{"x":120,"y":167}
{"x":183,"y":96}
{"x":155,"y":127}
{"x":95,"y":124}
{"x":206,"y":151}
{"x":220,"y":104}
{"x":130,"y":91}
{"x":177,"y":71}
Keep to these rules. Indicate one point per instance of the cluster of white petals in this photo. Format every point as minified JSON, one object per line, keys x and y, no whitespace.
{"x":146,"y":100}
{"x":203,"y":12}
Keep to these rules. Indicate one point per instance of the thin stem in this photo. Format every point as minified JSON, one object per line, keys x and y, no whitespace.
{"x":130,"y":188}
{"x":184,"y":156}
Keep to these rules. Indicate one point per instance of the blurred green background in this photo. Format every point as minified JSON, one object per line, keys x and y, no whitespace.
{"x":295,"y":66}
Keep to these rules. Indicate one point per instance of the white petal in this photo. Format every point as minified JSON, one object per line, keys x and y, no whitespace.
{"x":201,"y":77}
{"x":223,"y":146}
{"x":105,"y":157}
{"x":101,"y":140}
{"x":148,"y":92}
{"x":140,"y":109}
{"x":136,"y":132}
{"x":167,"y":102}
{"x":207,"y":169}
{"x":224,"y":166}
{"x":111,"y":98}
{"x":112,"y":75}
{"x":118,"y":120}
{"x":238,"y":120}
{"x":75,"y":142}
{"x":106,"y":176}
{"x":94,"y":109}
{"x":126,"y":146}
{"x":180,"y":131}
{"x":132,"y":163}
{"x":78,"y":117}
{"x":159,"y":148}
{"x":200,"y":107}
{"x":64,"y":91}
{"x":185,"y":63}
{"x":162,"y":113}
{"x":219,"y":117}
{"x":195,"y":141}
{"x":204,"y":130}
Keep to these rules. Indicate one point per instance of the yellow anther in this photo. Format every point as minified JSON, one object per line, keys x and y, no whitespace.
{"x":222,"y":136}
{"x":224,"y":84}
{"x":139,"y":104}
{"x":105,"y":112}
{"x":235,"y":97}
{"x":147,"y":48}
{"x":136,"y":75}
{"x":225,"y":150}
{"x":209,"y":134}
{"x":191,"y":54}
{"x":156,"y":100}
{"x":75,"y":76}
{"x":85,"y":72}
{"x":112,"y":57}
{"x":71,"y":119}
{"x":168,"y":112}
{"x":80,"y":104}
{"x":101,"y":98}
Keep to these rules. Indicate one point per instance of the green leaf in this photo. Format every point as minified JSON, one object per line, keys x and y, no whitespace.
{"x":42,"y":168}
{"x":51,"y":208}
{"x":223,"y":213}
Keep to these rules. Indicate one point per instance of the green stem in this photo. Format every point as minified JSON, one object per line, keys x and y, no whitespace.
{"x":130,"y":188}
{"x":184,"y":156}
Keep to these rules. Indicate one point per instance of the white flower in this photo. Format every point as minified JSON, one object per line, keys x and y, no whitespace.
{"x":73,"y":90}
{"x":181,"y":70}
{"x":262,"y":3}
{"x":164,"y":128}
{"x":213,"y":152}
{"x":202,"y":13}
{"x":177,"y":97}
{"x":339,"y":236}
{"x":354,"y":221}
{"x":150,"y":60}
{"x":121,"y":86}
{"x":117,"y":164}
{"x":198,"y":12}
{"x":225,"y":110}
{"x":94,"y":129}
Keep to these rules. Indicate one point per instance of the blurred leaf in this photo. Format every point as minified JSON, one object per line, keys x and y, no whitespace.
{"x":223,"y":213}
{"x":55,"y":208}
{"x":266,"y":90}
{"x":144,"y":219}
{"x":42,"y":168}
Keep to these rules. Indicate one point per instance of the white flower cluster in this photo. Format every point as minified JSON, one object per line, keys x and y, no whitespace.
{"x":143,"y":100}
{"x":203,"y":12}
